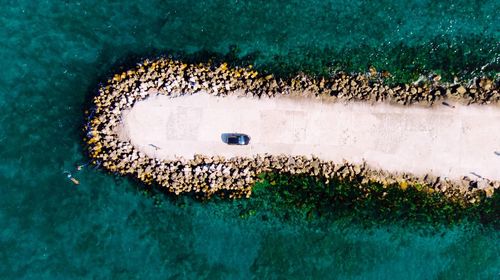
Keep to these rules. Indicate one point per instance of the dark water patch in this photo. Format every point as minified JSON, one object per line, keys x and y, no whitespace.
{"x":296,"y":197}
{"x":447,"y":56}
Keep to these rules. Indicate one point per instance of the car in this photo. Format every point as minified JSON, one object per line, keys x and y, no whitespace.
{"x":235,"y":138}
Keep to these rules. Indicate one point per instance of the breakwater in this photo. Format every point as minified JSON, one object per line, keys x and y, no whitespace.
{"x":234,"y":177}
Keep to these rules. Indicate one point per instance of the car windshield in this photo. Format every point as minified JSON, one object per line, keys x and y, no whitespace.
{"x":233,"y":139}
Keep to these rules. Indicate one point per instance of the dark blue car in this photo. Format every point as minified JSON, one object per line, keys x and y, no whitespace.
{"x":235,"y":138}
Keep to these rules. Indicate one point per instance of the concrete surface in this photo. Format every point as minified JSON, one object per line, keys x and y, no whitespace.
{"x":445,"y":141}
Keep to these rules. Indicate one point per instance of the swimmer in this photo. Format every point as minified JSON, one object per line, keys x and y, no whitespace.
{"x":70,"y":177}
{"x":81,"y":166}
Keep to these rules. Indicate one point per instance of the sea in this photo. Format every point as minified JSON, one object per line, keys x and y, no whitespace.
{"x":56,"y":52}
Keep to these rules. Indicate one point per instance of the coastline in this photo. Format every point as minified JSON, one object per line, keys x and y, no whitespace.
{"x":234,"y":177}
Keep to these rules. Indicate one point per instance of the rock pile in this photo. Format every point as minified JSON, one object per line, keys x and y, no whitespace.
{"x":234,"y":177}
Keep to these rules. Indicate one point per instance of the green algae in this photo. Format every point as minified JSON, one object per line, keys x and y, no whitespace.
{"x":370,"y":204}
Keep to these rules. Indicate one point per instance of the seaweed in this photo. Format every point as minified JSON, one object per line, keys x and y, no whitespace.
{"x":312,"y":198}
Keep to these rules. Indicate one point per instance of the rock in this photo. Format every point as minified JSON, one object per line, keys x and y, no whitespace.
{"x":461,"y":90}
{"x":212,"y":174}
{"x":483,"y":184}
{"x":489,"y":191}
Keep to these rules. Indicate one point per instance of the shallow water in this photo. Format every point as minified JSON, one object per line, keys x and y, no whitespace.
{"x":55,"y":52}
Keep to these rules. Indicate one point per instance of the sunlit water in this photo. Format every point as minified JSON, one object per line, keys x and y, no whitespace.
{"x":55,"y":52}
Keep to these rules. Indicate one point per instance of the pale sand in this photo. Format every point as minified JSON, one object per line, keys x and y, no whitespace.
{"x":444,"y":141}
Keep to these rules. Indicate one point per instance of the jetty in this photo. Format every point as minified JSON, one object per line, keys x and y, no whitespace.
{"x":161,"y":123}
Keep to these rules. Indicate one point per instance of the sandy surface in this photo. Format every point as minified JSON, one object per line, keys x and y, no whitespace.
{"x":445,"y":141}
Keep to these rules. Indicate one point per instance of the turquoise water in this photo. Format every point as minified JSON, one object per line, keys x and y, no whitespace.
{"x":55,"y":52}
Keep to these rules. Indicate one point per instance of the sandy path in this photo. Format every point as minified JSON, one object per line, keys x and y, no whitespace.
{"x":451,"y":142}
